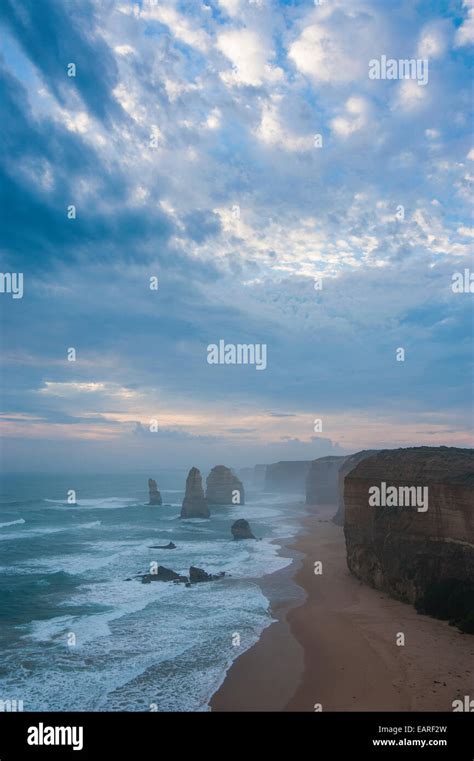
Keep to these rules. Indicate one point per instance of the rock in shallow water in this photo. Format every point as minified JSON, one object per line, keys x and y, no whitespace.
{"x":241,"y":530}
{"x":197,"y":575}
{"x":169,"y":546}
{"x":154,"y":494}
{"x":162,"y":574}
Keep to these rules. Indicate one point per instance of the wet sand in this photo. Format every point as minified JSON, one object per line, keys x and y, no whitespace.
{"x":336,"y":644}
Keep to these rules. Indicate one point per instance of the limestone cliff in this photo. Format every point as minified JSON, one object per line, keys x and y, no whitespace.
{"x":287,"y":477}
{"x":425,"y":557}
{"x":259,"y":476}
{"x":223,"y":488}
{"x":322,"y":480}
{"x":246,"y":475}
{"x":344,"y":469}
{"x":194,"y":502}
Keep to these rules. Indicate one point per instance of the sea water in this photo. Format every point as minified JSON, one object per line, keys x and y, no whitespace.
{"x":75,"y":635}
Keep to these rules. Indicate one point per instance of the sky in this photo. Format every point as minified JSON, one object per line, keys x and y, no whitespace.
{"x":239,"y":152}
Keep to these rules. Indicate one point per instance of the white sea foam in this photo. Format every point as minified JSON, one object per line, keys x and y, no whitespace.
{"x":103,"y":502}
{"x":190,"y":627}
{"x":136,"y":643}
{"x":12,"y":523}
{"x":29,"y":534}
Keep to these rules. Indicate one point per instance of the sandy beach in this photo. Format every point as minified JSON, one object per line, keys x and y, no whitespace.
{"x":334,"y":642}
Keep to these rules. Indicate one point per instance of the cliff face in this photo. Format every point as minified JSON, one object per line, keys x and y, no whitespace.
{"x":246,"y":475}
{"x":194,"y":502}
{"x":344,"y":469}
{"x":223,"y":488}
{"x":423,"y":554}
{"x":259,"y":476}
{"x":322,"y":481}
{"x":287,"y":477}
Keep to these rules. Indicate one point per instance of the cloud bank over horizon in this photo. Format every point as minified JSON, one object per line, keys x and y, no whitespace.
{"x":239,"y":152}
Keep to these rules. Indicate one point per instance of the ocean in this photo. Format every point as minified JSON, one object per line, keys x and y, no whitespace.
{"x":75,"y":635}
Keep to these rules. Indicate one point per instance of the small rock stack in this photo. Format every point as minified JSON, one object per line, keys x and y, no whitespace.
{"x":155,"y":496}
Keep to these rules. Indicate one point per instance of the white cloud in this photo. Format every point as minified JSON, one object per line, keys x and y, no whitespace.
{"x":124,"y":49}
{"x":432,"y":42}
{"x":75,"y":122}
{"x":355,"y":118}
{"x":338,"y":47}
{"x":249,"y":55}
{"x":176,"y":88}
{"x":410,"y":95}
{"x":272,"y":132}
{"x":213,"y":121}
{"x":130,"y":102}
{"x":232,"y":7}
{"x":465,"y":33}
{"x":181,"y":26}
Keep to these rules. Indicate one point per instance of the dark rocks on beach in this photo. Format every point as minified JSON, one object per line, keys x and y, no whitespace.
{"x":224,"y":488}
{"x":154,"y":494}
{"x":162,"y":574}
{"x":194,"y":502}
{"x":197,"y":575}
{"x":241,"y":529}
{"x":169,"y":546}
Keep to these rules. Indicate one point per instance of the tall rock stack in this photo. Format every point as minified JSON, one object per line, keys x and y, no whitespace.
{"x":154,"y":494}
{"x":344,"y":470}
{"x":420,"y":550}
{"x":224,"y":488}
{"x":322,"y":481}
{"x":194,"y":502}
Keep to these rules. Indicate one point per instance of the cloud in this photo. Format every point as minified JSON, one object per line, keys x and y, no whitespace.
{"x":432,"y":43}
{"x":335,"y":44}
{"x":465,"y":33}
{"x":179,"y":25}
{"x":69,"y":36}
{"x":227,"y":141}
{"x":232,"y":7}
{"x":250,"y":55}
{"x":355,"y":118}
{"x":271,"y":131}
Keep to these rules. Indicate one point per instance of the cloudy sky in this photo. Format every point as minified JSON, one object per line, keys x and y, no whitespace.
{"x":187,"y":142}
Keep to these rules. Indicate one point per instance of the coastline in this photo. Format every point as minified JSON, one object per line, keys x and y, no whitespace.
{"x":334,"y":642}
{"x":246,"y":685}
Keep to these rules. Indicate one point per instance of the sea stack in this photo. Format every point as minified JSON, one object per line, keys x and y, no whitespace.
{"x":194,"y":502}
{"x":241,"y":529}
{"x":409,"y":528}
{"x":223,"y":488}
{"x":155,"y":496}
